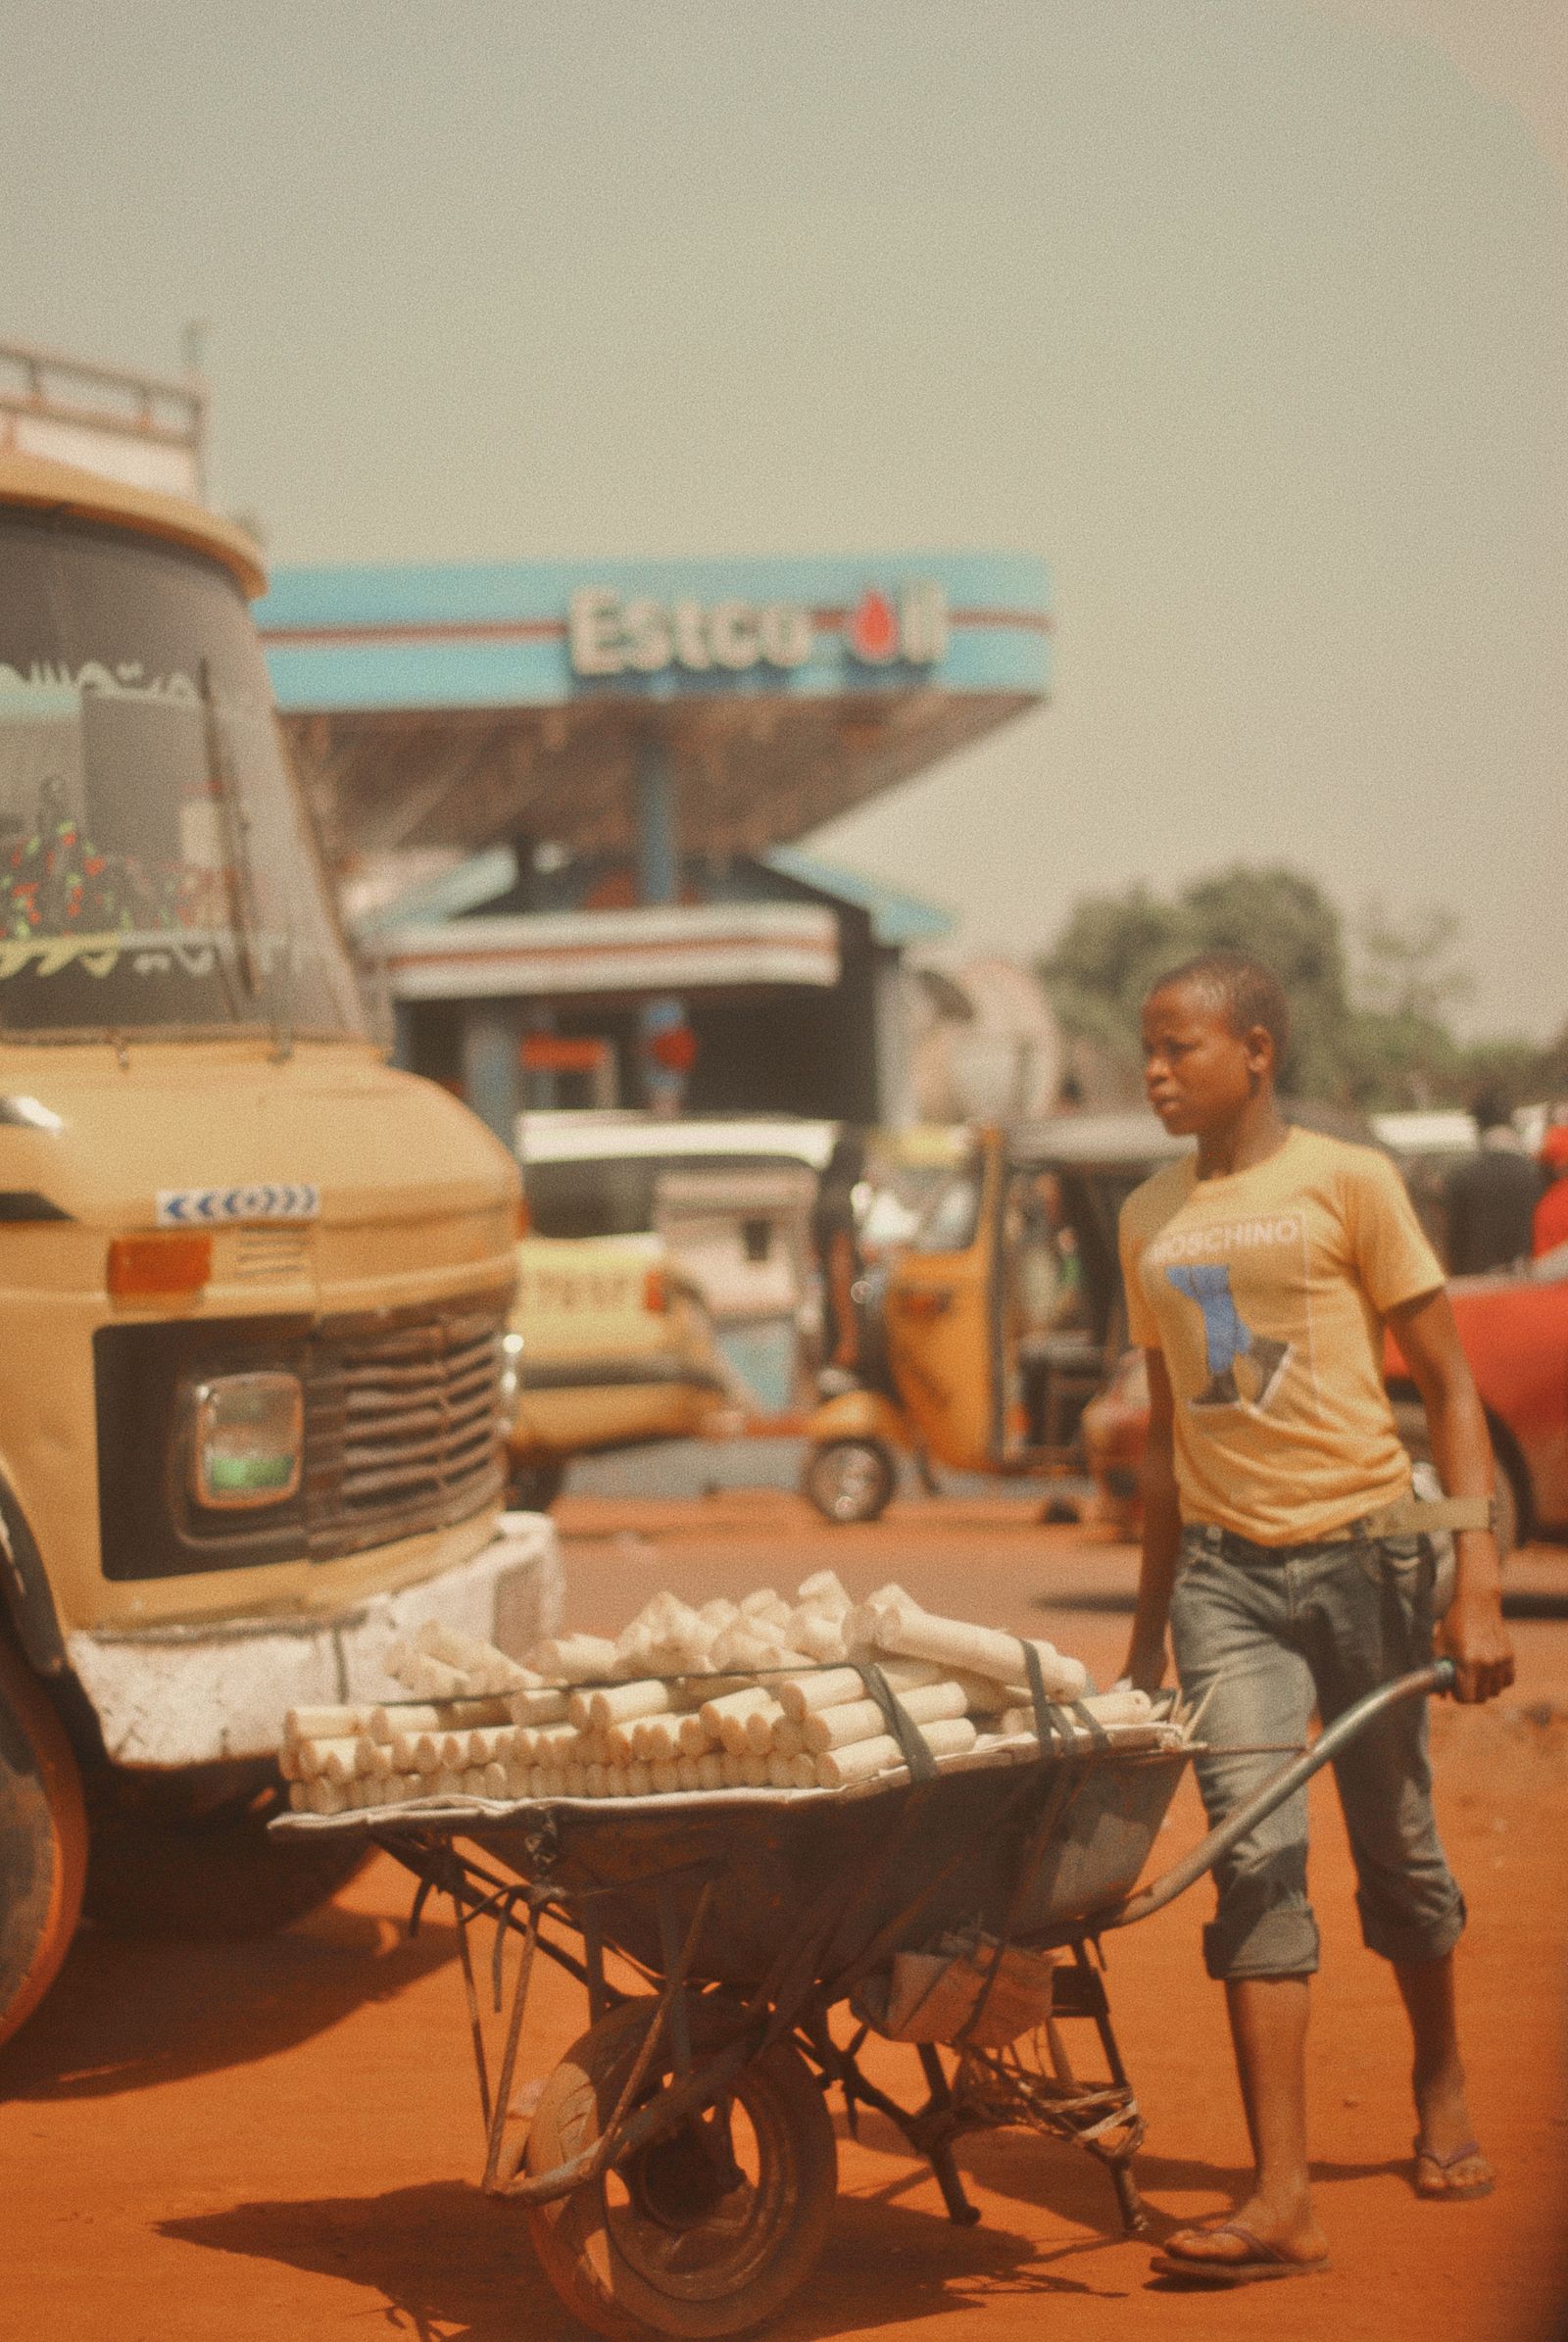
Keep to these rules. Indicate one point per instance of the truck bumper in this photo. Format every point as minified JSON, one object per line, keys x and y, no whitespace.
{"x":173,"y":1696}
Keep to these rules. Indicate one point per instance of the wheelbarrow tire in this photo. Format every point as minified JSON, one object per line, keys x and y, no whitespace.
{"x":850,"y":1481}
{"x":603,"y":2260}
{"x":43,"y":1843}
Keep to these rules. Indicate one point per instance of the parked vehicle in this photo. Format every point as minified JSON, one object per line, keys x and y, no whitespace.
{"x":611,"y":1346}
{"x":731,"y":1198}
{"x":255,"y":1282}
{"x":1514,"y":1328}
{"x":994,"y":1322}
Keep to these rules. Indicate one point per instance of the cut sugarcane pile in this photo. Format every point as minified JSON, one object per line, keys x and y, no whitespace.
{"x":759,"y":1694}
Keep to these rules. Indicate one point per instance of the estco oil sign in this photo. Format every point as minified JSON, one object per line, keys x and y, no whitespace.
{"x":606,"y":635}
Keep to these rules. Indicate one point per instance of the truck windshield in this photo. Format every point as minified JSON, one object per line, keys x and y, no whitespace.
{"x":156,"y":870}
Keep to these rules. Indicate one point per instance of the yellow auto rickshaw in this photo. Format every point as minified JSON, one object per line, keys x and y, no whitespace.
{"x":985,"y":1335}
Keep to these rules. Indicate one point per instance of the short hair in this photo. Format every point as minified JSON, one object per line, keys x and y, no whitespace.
{"x":1244,"y":990}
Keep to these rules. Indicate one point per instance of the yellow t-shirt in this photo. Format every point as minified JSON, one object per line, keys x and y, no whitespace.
{"x":1266,"y":1291}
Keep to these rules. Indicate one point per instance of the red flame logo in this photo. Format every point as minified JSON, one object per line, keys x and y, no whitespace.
{"x":873,"y":629}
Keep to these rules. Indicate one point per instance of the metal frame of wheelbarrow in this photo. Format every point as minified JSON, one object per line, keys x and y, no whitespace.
{"x":793,"y":2000}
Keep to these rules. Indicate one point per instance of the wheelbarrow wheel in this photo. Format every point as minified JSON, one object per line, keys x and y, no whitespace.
{"x":850,"y":1480}
{"x":706,"y":2231}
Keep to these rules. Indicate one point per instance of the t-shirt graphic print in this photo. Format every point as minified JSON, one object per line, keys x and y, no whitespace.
{"x":1264,"y":1291}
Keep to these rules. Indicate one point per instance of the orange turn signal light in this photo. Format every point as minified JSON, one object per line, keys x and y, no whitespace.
{"x":525,"y":1217}
{"x":141,"y":1266}
{"x":656,"y":1292}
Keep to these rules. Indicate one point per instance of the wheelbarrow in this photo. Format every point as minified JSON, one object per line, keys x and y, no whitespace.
{"x":679,"y":2168}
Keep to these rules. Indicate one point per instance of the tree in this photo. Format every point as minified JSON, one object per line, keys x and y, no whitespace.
{"x":1115,"y":946}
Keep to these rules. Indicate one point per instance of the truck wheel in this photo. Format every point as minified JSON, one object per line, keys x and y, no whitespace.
{"x":533,"y":1487}
{"x":704,"y":2233}
{"x":214,"y":1878}
{"x":43,"y":1843}
{"x":850,"y":1480}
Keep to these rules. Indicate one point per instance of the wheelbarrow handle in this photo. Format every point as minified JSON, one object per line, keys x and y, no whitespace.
{"x":1439,"y":1676}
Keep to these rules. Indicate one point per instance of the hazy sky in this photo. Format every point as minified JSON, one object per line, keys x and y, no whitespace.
{"x":1248,"y":315}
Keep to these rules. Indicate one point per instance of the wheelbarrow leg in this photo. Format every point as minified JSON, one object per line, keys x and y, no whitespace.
{"x":1130,"y":2204}
{"x":939,"y":2152}
{"x":1134,"y":2217}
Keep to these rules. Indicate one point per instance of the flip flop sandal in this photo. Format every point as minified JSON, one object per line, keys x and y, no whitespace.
{"x":1256,"y":2264}
{"x":1446,"y":2190}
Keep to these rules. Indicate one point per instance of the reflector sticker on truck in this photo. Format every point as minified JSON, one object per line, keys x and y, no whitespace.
{"x":211,"y":1207}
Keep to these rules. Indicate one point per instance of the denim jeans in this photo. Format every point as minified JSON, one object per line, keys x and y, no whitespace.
{"x":1267,"y":1632}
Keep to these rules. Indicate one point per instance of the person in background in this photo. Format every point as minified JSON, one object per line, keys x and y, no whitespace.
{"x":836,"y":1242}
{"x":1282,"y":1547}
{"x":1490,"y":1196}
{"x":1550,"y":1228}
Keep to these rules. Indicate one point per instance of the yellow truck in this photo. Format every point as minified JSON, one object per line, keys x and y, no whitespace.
{"x":254,"y":1284}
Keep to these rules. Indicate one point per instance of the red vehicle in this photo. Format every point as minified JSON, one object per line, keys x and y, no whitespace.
{"x":1514,"y":1328}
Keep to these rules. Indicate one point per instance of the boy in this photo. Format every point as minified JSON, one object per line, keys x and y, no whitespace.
{"x":1258,"y":1276}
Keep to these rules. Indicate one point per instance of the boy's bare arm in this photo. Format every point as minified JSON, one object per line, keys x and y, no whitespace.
{"x":1163,"y":1533}
{"x":1472,"y":1633}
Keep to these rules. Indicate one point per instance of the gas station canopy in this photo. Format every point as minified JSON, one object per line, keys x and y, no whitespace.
{"x":454,"y":706}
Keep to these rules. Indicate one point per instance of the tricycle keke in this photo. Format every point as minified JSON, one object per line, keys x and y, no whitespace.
{"x":679,"y":2168}
{"x":985,"y":1335}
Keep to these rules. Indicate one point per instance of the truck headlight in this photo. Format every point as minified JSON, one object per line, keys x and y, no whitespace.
{"x":248,"y":1440}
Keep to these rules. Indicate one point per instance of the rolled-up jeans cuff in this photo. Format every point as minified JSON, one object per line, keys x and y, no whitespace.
{"x":1277,"y":1943}
{"x":1407,"y":1945}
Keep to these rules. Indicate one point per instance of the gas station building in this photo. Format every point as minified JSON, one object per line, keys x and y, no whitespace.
{"x":594,"y":778}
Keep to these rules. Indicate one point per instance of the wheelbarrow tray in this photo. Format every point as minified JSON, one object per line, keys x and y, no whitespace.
{"x":1032,"y":1847}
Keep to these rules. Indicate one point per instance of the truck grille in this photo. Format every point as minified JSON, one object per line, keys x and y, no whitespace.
{"x":401,"y":1428}
{"x":402,"y":1433}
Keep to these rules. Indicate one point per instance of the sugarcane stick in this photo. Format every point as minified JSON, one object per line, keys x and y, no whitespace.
{"x":710,"y":1769}
{"x":373,"y":1757}
{"x":333,"y":1760}
{"x":664,"y":1776}
{"x":549,"y":1743}
{"x":694,"y":1738}
{"x":864,"y":1719}
{"x":758,"y":1727}
{"x":473,"y":1658}
{"x":385,"y":1723}
{"x":327,"y":1796}
{"x":326,"y":1724}
{"x":573,"y":1659}
{"x":1109,"y":1708}
{"x":687,"y":1775}
{"x":788,"y":1739}
{"x":619,"y":1703}
{"x":862,"y":1760}
{"x":798,"y":1695}
{"x":726,"y":1717}
{"x":903,"y":1628}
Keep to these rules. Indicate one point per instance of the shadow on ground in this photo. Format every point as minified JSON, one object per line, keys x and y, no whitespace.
{"x":126,"y":2011}
{"x":450,"y":2262}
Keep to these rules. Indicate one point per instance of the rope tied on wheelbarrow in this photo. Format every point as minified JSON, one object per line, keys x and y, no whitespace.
{"x":1052,"y":1725}
{"x":901,"y":1725}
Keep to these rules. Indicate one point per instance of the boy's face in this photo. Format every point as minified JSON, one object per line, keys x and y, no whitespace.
{"x":1199,"y":1072}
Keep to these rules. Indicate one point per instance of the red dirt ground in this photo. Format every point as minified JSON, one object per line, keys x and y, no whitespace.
{"x":245,"y":2143}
